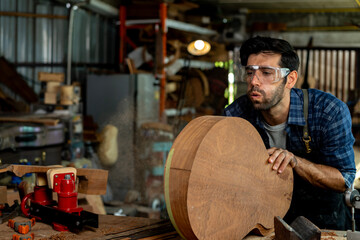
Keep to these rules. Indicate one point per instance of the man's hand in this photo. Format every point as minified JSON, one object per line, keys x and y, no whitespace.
{"x":281,"y":158}
{"x":317,"y":174}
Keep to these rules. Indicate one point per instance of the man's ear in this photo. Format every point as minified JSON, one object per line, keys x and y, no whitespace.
{"x":291,"y":79}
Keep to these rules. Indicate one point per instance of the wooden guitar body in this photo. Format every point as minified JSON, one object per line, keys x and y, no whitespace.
{"x":218,"y":183}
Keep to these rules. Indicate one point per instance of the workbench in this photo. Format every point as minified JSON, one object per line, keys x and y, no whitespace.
{"x":113,"y":227}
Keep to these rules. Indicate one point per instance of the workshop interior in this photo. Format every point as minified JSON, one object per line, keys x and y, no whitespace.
{"x":96,"y":97}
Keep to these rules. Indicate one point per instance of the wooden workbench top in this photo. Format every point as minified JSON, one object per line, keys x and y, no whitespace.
{"x":110,"y":227}
{"x":113,"y":227}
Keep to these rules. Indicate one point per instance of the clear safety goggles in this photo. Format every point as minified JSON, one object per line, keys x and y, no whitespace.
{"x":265,"y":74}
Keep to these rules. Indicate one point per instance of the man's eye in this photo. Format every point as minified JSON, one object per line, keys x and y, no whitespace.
{"x":249,"y":73}
{"x":267,"y":73}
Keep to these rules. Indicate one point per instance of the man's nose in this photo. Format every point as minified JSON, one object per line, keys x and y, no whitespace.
{"x":255,"y":80}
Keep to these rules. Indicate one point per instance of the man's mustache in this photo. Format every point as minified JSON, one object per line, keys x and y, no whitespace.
{"x":256,"y":89}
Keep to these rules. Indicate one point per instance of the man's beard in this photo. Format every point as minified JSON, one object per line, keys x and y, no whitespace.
{"x":268,"y":103}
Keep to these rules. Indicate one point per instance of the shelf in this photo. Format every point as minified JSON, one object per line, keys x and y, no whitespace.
{"x":164,"y":23}
{"x":174,"y":24}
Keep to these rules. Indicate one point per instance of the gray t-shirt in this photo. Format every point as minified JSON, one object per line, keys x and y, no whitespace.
{"x":276,"y":134}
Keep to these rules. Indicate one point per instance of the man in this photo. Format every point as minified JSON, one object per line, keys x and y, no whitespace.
{"x":275,"y":108}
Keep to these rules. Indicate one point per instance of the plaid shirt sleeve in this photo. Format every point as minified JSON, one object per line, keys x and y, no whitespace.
{"x":329,"y":125}
{"x":336,"y":140}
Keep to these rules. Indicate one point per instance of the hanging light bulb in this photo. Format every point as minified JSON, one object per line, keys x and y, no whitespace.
{"x":198,"y":47}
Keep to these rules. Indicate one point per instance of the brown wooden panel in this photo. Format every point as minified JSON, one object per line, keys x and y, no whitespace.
{"x":349,"y":69}
{"x":331,"y":71}
{"x":179,"y":164}
{"x":337,"y":75}
{"x":320,"y":69}
{"x":188,"y":148}
{"x":325,"y":71}
{"x":229,"y":174}
{"x":343,"y":80}
{"x":178,"y":185}
{"x":15,"y":82}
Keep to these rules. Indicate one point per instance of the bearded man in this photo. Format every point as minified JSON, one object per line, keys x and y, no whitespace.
{"x":319,"y":146}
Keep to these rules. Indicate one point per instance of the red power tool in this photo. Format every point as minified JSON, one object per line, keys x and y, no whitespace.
{"x":64,"y":214}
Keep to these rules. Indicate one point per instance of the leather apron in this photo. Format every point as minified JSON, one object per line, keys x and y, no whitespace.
{"x":326,"y":209}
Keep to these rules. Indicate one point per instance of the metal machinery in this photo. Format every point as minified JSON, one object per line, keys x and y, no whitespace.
{"x":352,"y":198}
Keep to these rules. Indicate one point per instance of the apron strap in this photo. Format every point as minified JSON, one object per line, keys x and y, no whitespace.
{"x":306,"y":136}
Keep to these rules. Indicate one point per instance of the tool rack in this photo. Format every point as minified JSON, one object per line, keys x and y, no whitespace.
{"x":164,"y":23}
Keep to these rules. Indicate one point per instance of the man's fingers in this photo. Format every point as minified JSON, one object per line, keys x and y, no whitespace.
{"x":271,"y":150}
{"x":275,"y":154}
{"x":278,"y":157}
{"x":284,"y":164}
{"x":281,"y":158}
{"x":293,"y":162}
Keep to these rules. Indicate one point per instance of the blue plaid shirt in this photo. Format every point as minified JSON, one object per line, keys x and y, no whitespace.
{"x":329,"y":123}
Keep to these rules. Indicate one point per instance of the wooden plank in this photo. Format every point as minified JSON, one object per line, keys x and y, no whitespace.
{"x":3,"y":194}
{"x":108,"y":225}
{"x":177,"y":172}
{"x":111,"y":225}
{"x":343,"y":80}
{"x":169,"y":235}
{"x":32,"y":15}
{"x":325,"y":71}
{"x":8,"y":104}
{"x":25,"y":119}
{"x":15,"y":82}
{"x":145,"y":232}
{"x":325,"y":235}
{"x":226,"y":177}
{"x":91,"y":181}
{"x":96,"y":203}
{"x":51,"y":77}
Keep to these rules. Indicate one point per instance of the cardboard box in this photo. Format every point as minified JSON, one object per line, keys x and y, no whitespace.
{"x":53,"y":87}
{"x":51,"y":77}
{"x":50,"y":98}
{"x":67,"y":95}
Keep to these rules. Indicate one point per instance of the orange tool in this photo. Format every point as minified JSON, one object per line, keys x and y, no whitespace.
{"x":21,"y":227}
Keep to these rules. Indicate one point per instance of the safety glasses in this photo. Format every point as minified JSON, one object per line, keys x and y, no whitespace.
{"x":265,"y":74}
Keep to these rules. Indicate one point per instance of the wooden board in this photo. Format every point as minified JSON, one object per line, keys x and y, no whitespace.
{"x":3,"y":194}
{"x":177,"y":172}
{"x":15,"y":82}
{"x":91,"y":181}
{"x":112,"y":227}
{"x":51,"y":77}
{"x":31,"y":119}
{"x":218,"y":184}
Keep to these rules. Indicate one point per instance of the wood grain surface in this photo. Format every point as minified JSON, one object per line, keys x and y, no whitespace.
{"x":126,"y":228}
{"x":110,"y":227}
{"x":218,"y":184}
{"x":31,"y":119}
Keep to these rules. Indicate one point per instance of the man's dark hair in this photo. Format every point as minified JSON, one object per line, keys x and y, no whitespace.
{"x":255,"y":45}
